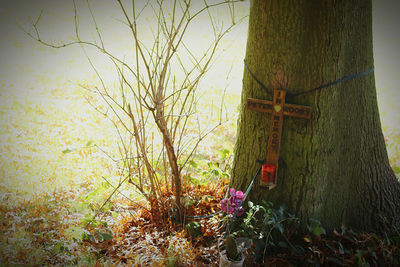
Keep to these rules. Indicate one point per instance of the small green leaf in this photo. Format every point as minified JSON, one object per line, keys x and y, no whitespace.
{"x":316,"y":228}
{"x":190,"y":203}
{"x":65,"y":151}
{"x":91,"y":237}
{"x":99,"y":236}
{"x":107,"y":236}
{"x":215,"y":172}
{"x":251,"y":204}
{"x":89,"y":143}
{"x":223,"y":153}
{"x":60,"y":247}
{"x":280,"y":227}
{"x":318,"y":231}
{"x":193,"y":163}
{"x":194,"y":229}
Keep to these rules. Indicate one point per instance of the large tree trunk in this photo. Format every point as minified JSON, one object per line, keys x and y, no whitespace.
{"x":336,"y":166}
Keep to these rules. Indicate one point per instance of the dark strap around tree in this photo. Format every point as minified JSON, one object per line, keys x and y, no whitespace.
{"x":343,"y":79}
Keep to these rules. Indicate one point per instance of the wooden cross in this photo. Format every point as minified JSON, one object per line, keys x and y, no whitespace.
{"x":277,"y":108}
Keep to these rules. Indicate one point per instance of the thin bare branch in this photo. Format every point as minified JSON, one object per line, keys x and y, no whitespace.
{"x":95,"y":24}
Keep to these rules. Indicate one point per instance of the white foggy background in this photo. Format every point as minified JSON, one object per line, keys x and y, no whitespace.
{"x":30,"y":72}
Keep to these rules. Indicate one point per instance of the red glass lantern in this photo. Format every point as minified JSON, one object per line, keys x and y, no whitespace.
{"x":268,"y":173}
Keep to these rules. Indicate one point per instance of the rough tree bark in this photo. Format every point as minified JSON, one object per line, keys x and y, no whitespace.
{"x":336,"y":165}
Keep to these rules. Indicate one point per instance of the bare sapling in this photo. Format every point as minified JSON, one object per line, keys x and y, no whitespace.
{"x":154,"y":105}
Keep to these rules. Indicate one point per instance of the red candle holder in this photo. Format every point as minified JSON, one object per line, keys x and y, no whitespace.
{"x":268,"y":173}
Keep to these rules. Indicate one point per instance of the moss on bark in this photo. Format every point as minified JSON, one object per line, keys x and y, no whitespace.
{"x":336,"y":165}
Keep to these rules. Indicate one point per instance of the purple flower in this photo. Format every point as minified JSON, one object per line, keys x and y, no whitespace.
{"x":224,"y":205}
{"x":236,"y":195}
{"x":230,"y":205}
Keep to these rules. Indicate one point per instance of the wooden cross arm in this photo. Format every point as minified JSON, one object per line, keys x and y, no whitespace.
{"x":277,"y":108}
{"x":292,"y":110}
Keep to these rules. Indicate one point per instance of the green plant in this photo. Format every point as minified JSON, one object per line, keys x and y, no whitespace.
{"x":207,"y":171}
{"x":269,"y":229}
{"x":95,"y":231}
{"x":194,"y":229}
{"x":277,"y":236}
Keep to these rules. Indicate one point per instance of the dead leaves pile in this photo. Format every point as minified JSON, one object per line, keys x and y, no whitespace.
{"x":35,"y":231}
{"x":48,"y":230}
